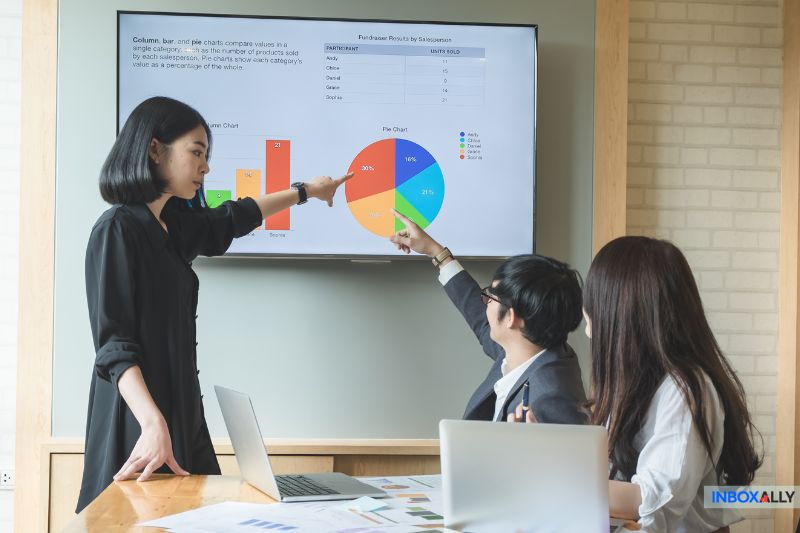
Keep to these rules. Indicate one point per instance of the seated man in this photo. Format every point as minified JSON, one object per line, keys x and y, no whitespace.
{"x":522,"y":320}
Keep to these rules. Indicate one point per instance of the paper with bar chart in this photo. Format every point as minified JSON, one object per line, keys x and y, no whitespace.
{"x":400,"y":512}
{"x":436,"y":121}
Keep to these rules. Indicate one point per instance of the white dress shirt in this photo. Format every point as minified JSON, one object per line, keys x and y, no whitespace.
{"x":673,"y":465}
{"x":503,"y":386}
{"x":447,"y":272}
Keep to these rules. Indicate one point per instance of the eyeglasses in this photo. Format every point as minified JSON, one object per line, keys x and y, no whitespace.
{"x":486,"y":296}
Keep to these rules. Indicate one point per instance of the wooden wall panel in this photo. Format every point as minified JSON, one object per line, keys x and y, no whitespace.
{"x":610,"y":121}
{"x":36,"y":261}
{"x":787,"y":453}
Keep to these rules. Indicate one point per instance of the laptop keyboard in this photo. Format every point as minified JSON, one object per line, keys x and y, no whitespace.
{"x":301,"y":486}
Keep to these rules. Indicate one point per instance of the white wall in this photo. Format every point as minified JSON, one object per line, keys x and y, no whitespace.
{"x":10,"y":31}
{"x":703,"y":171}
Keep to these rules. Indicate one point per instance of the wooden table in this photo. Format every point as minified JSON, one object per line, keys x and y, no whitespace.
{"x":126,"y":503}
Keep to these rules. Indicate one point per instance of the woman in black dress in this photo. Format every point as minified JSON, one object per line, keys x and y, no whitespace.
{"x":145,"y":409}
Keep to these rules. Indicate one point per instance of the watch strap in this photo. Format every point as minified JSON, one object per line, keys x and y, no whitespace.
{"x":300,"y":187}
{"x":439,"y":258}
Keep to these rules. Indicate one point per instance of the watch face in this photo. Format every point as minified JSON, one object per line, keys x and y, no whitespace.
{"x":297,"y":184}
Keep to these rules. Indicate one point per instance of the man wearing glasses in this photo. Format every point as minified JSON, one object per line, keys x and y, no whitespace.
{"x":522,"y":321}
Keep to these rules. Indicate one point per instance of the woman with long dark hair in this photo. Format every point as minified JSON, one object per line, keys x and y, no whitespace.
{"x":675,"y":410}
{"x":145,"y":408}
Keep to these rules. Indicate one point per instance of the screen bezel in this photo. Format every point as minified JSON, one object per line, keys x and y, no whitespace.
{"x":362,"y":257}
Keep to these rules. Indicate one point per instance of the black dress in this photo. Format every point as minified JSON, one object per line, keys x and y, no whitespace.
{"x":142,"y":296}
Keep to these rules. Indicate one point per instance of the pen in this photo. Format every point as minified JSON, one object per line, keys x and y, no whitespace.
{"x":525,"y":401}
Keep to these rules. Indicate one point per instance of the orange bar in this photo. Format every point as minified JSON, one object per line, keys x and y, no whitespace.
{"x":278,"y":179}
{"x":248,"y":183}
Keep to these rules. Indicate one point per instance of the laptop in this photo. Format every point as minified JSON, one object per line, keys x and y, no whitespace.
{"x":248,"y":445}
{"x":524,"y":477}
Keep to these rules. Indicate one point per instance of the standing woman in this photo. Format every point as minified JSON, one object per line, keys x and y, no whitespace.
{"x":675,"y":410}
{"x":145,"y":408}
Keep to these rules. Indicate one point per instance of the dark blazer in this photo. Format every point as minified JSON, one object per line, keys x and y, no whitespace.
{"x":556,"y":389}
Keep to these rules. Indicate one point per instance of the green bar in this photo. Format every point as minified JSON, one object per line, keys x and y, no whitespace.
{"x":215,"y":198}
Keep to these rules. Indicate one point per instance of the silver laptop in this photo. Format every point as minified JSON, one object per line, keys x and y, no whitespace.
{"x":248,"y":445}
{"x":524,"y":477}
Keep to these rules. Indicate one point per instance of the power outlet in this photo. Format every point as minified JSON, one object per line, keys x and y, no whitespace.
{"x":6,"y":479}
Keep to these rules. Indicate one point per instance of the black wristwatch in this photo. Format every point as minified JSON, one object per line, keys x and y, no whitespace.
{"x":300,"y":187}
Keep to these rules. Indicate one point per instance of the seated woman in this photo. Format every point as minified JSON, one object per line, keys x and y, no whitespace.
{"x":675,"y":410}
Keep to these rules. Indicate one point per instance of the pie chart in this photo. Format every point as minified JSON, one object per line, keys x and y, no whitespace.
{"x":394,"y":173}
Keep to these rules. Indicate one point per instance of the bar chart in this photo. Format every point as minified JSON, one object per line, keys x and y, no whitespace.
{"x":253,"y":182}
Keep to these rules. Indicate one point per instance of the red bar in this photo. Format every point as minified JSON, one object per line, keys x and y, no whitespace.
{"x":278,"y":179}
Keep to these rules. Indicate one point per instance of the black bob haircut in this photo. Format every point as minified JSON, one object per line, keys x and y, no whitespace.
{"x":544,"y":293}
{"x":128,"y":175}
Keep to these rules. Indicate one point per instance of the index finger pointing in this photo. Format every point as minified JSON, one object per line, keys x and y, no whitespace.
{"x":344,"y":178}
{"x":402,"y":217}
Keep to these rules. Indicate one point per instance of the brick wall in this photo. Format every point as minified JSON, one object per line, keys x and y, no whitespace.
{"x":703,"y":170}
